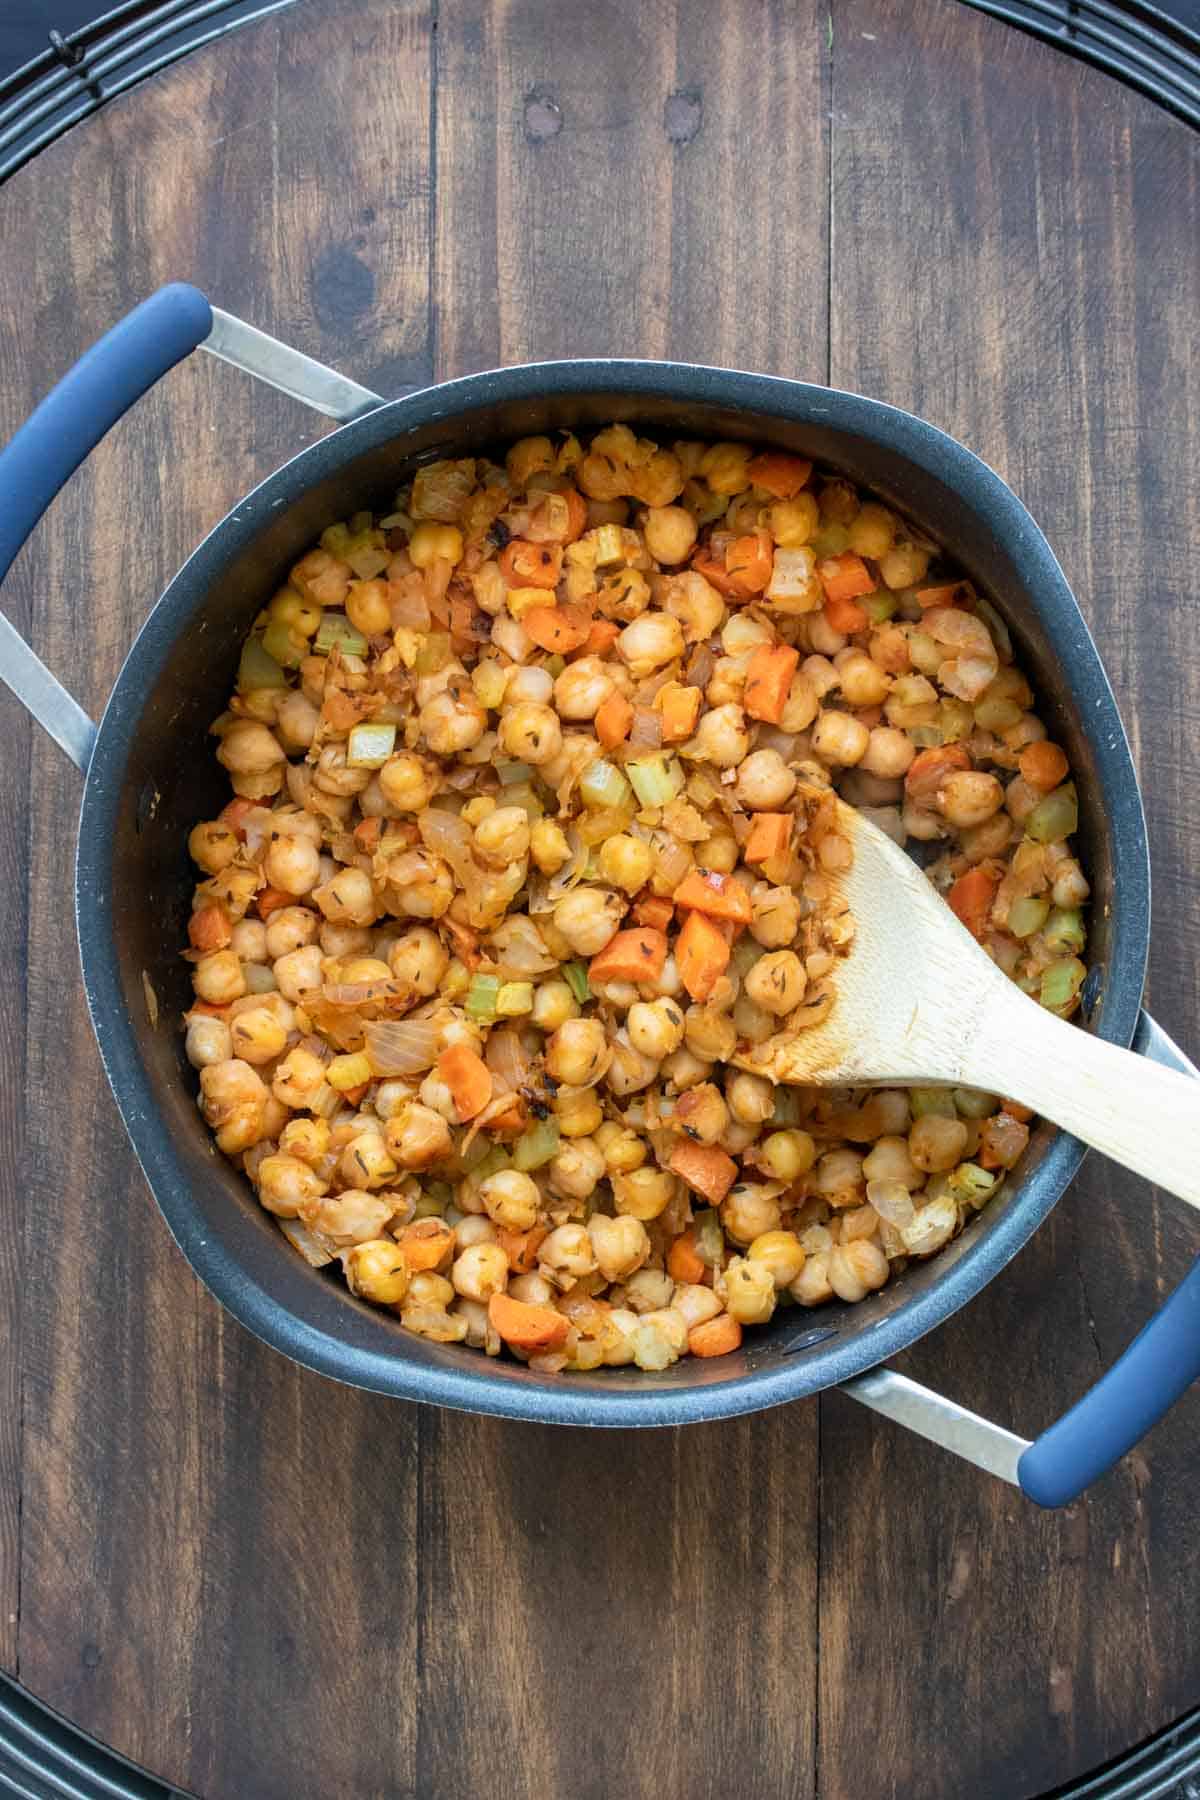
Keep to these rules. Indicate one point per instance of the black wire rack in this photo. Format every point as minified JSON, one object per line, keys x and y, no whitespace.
{"x":42,"y":1756}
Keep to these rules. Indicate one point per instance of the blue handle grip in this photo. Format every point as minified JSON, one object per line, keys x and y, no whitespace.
{"x":1160,"y":1364}
{"x":73,"y":418}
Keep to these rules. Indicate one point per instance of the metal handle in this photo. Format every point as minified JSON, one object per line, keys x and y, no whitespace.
{"x":76,"y":414}
{"x":1145,"y":1382}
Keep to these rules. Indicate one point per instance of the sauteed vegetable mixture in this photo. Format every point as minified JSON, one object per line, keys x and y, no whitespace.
{"x":532,"y":833}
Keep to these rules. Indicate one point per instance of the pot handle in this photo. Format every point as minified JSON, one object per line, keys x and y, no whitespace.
{"x":1145,"y":1382}
{"x":75,"y":415}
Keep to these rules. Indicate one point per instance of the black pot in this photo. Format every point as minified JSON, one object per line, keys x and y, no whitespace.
{"x":149,"y":777}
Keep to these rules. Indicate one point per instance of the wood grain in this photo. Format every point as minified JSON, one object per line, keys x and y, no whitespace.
{"x":261,"y":1584}
{"x":1001,"y":293}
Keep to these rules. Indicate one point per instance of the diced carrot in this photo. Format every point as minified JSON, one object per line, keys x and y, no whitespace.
{"x":701,"y":955}
{"x":208,"y":1010}
{"x":523,"y":564}
{"x":707,"y":1169}
{"x":521,"y":1247}
{"x":576,"y":514}
{"x":367,"y":834}
{"x":601,"y":637}
{"x":527,"y":1327}
{"x":929,"y":768}
{"x":1023,"y":1113}
{"x":635,"y":955}
{"x":942,"y":596}
{"x":613,"y":720}
{"x":749,"y":561}
{"x":425,"y":1243}
{"x":468,"y":1078}
{"x":971,"y":898}
{"x":709,"y":891}
{"x":680,"y":709}
{"x":716,"y":1337}
{"x":846,"y":616}
{"x":714,"y":572}
{"x":768,"y":679}
{"x":559,"y":629}
{"x":209,"y":928}
{"x":235,"y":813}
{"x":353,"y":1095}
{"x":654,"y":911}
{"x":778,"y":474}
{"x":684,"y":1262}
{"x":845,"y":577}
{"x":1043,"y":766}
{"x":770,"y":835}
{"x":270,"y":899}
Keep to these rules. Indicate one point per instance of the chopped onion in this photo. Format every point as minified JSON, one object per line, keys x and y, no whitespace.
{"x":646,"y":731}
{"x":603,"y":785}
{"x":517,"y":948}
{"x":335,"y":628}
{"x":409,"y":607}
{"x":508,"y":1060}
{"x":310,"y":1245}
{"x":400,"y":1046}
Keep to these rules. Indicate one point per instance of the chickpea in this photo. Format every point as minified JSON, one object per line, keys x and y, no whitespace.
{"x":528,"y":456}
{"x":587,"y":917}
{"x":248,"y":939}
{"x":347,"y":943}
{"x":721,"y":737}
{"x":292,"y":864}
{"x":306,"y":1138}
{"x":578,"y":1169}
{"x":655,"y":1028}
{"x":703,"y":1114}
{"x":777,"y":982}
{"x":872,"y":531}
{"x":626,"y":861}
{"x":553,"y":1005}
{"x":811,"y":1287}
{"x":299,"y":1078}
{"x":577,"y":1112}
{"x":889,"y":1160}
{"x":476,"y":1228}
{"x":258,"y":1036}
{"x":534,"y":1290}
{"x":648,"y":1290}
{"x":644,"y":1193}
{"x":377,"y":1271}
{"x":511,"y":1200}
{"x":787,"y":1155}
{"x":838,"y":1177}
{"x":419,"y":960}
{"x":368,"y":608}
{"x":650,"y":642}
{"x":619,"y":1245}
{"x":406,"y":783}
{"x":747,"y":1212}
{"x":213,"y":846}
{"x":531,"y":733}
{"x":889,"y":752}
{"x":781,"y":1252}
{"x":968,"y":797}
{"x":857,"y":1269}
{"x":285,"y":1183}
{"x":794,"y":522}
{"x":503,"y":837}
{"x":903,"y":566}
{"x":418,"y":1135}
{"x":432,"y":543}
{"x":669,"y":532}
{"x":840,"y":738}
{"x":567,"y":1255}
{"x":298,"y":974}
{"x":776,"y":920}
{"x":480,"y":1271}
{"x":208,"y":1041}
{"x":578,"y":1053}
{"x":622,"y":1148}
{"x":764,"y":782}
{"x":935,"y":1143}
{"x":349,"y":898}
{"x":748,"y":1289}
{"x":452,"y":721}
{"x":366,"y":1161}
{"x":248,"y":748}
{"x":218,"y":978}
{"x":696,"y":604}
{"x":582,"y":688}
{"x":296,"y":721}
{"x":751,"y":1098}
{"x":352,"y":1217}
{"x":549,"y":847}
{"x":724,"y":467}
{"x":630,"y":1071}
{"x":863,"y":682}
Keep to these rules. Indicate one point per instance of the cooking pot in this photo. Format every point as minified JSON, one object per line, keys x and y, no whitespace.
{"x":148,"y":778}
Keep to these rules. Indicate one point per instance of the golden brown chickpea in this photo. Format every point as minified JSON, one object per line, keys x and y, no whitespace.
{"x":857,"y":1269}
{"x":352,"y":1217}
{"x":348,"y":898}
{"x":218,"y":978}
{"x":258,"y":1035}
{"x":299,"y":1078}
{"x":418,"y":1136}
{"x":480,"y":1271}
{"x":751,"y":1098}
{"x":721,"y":737}
{"x":213,"y":846}
{"x":578,"y":1168}
{"x":781,"y":1252}
{"x":935,"y":1143}
{"x":839,"y":738}
{"x":298,"y":974}
{"x":764,"y":782}
{"x":644,"y":1193}
{"x":377,"y":1271}
{"x":248,"y":748}
{"x":620,"y":1245}
{"x":582,"y":688}
{"x":670,"y":533}
{"x":208,"y":1041}
{"x":530,"y":732}
{"x":511,"y":1200}
{"x":776,"y":919}
{"x":777,"y":982}
{"x":567,"y":1255}
{"x":747,"y":1212}
{"x":285,"y":1183}
{"x":748,"y":1290}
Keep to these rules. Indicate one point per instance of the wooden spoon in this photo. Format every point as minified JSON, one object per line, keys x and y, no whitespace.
{"x":918,"y":1000}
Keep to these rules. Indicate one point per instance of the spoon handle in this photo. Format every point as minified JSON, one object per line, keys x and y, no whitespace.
{"x":1142,"y":1115}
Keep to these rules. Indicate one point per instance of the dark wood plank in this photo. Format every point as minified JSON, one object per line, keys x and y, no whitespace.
{"x":219,"y":1567}
{"x":1000,"y":222}
{"x":581,"y":196}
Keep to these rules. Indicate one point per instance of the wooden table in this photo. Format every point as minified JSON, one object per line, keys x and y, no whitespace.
{"x":259,"y":1584}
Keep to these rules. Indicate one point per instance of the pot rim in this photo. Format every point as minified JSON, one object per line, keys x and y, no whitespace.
{"x":555,"y":1400}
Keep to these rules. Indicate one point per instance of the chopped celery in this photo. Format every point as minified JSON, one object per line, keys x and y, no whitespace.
{"x":434,"y":654}
{"x":514,"y":998}
{"x":489,"y":681}
{"x":576,"y":977}
{"x":1055,"y":817}
{"x":491,"y":1164}
{"x":256,"y":669}
{"x":973,"y":1103}
{"x":603,"y":785}
{"x":1060,"y":983}
{"x":879,"y":606}
{"x":1063,"y":930}
{"x":511,"y":773}
{"x":710,"y":1239}
{"x":787,"y":1106}
{"x":369,"y":746}
{"x":482,"y":996}
{"x":537,"y":1146}
{"x":971,"y":1183}
{"x":656,"y":779}
{"x":554,"y":665}
{"x":428,"y":1206}
{"x":281,"y":642}
{"x":1027,"y":915}
{"x":832,"y":539}
{"x":935,"y":1102}
{"x":335,"y":628}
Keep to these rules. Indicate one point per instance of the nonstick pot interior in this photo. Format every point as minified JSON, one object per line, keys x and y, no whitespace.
{"x":153,"y":776}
